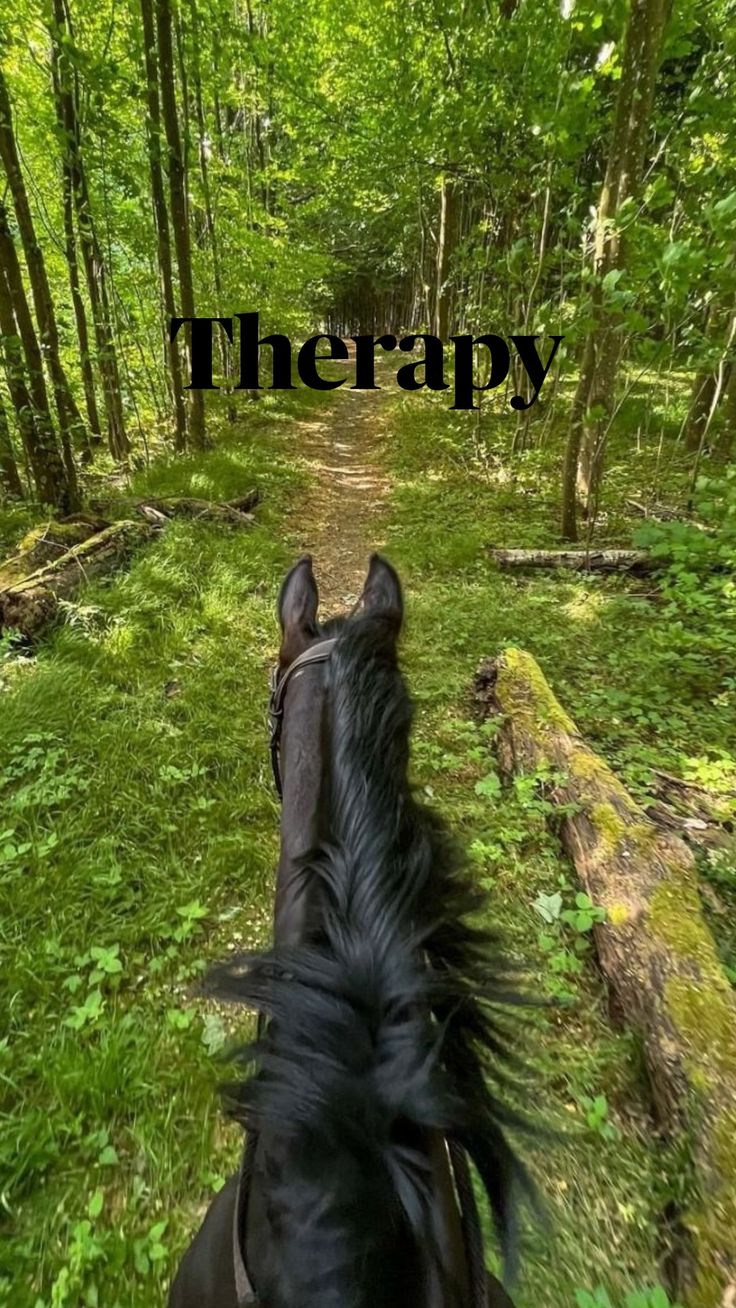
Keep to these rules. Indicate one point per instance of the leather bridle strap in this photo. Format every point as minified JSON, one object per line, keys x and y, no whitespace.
{"x":318,"y":653}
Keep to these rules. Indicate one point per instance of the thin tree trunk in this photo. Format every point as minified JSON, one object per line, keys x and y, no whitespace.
{"x":204,"y":173}
{"x":163,"y":237}
{"x":12,"y":353}
{"x":726,"y":438}
{"x":179,"y":216}
{"x":9,"y":476}
{"x":70,"y":253}
{"x":701,"y":399}
{"x":49,"y":470}
{"x":708,"y":384}
{"x":94,"y":263}
{"x":587,"y":436}
{"x":70,"y":419}
{"x":445,"y":245}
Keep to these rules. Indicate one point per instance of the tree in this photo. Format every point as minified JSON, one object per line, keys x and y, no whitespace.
{"x":592,"y":403}
{"x":9,"y":475}
{"x":179,"y":212}
{"x":53,"y":476}
{"x":161,"y":219}
{"x":70,"y":253}
{"x":94,"y":263}
{"x":70,"y":419}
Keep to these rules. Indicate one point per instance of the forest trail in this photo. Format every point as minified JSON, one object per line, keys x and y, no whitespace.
{"x":340,"y":515}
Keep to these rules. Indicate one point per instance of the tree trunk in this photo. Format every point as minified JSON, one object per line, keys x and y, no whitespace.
{"x":70,"y":419}
{"x":204,"y":174}
{"x":654,"y":948}
{"x":708,"y":386}
{"x":10,"y":480}
{"x":594,"y":395}
{"x":94,"y":264}
{"x":701,"y":400}
{"x":445,"y":247}
{"x":726,"y":437}
{"x":33,"y":603}
{"x":179,"y":216}
{"x":577,"y":560}
{"x":70,"y":252}
{"x":163,"y":238}
{"x":571,"y":461}
{"x":27,"y":385}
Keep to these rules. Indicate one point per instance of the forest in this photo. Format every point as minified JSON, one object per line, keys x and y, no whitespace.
{"x":557,"y":177}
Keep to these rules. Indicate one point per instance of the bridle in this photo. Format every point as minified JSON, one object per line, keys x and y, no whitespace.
{"x":318,"y":653}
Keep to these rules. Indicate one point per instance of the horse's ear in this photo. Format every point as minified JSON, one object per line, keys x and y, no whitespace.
{"x":382,"y":591}
{"x":297,"y":608}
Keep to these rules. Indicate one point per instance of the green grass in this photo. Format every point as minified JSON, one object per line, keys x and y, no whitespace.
{"x":648,"y":691}
{"x":139,"y":834}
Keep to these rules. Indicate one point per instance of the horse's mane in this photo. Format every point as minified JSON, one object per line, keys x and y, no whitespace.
{"x":389,"y":1021}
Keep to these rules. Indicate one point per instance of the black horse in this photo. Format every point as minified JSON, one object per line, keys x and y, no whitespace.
{"x":379,"y":1002}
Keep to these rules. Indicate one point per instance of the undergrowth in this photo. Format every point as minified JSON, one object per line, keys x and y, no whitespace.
{"x":139,"y":834}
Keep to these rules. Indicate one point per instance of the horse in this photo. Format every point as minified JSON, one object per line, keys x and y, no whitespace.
{"x":382,"y":1003}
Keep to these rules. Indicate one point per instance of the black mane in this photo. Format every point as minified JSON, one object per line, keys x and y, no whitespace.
{"x":382,"y":1025}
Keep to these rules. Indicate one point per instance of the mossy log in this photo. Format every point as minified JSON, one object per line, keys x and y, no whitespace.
{"x":46,"y":543}
{"x":655,"y":951}
{"x":636,"y":561}
{"x":29,"y":605}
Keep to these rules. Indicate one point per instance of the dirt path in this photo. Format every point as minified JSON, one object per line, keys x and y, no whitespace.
{"x":341,"y":512}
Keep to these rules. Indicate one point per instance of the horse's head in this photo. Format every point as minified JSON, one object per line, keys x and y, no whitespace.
{"x":378,"y":996}
{"x":300,"y":716}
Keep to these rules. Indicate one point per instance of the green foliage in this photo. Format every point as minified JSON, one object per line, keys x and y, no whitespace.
{"x":137,"y":840}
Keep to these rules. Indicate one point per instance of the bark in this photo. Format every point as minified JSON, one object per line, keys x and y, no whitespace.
{"x":10,"y":480}
{"x":161,"y":217}
{"x":594,"y":394}
{"x":655,"y":952}
{"x":70,"y":253}
{"x":577,"y":560}
{"x":179,"y":215}
{"x":70,"y":419}
{"x":26,"y":383}
{"x":33,"y":603}
{"x":94,"y":264}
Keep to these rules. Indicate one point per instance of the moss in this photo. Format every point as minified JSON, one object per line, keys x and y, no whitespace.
{"x":42,"y":546}
{"x":618,"y":914}
{"x":57,"y":533}
{"x":712,"y":1218}
{"x":609,"y":825}
{"x":675,"y":917}
{"x":518,"y":672}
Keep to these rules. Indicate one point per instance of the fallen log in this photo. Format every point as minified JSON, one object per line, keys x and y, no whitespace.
{"x":655,"y":951}
{"x":235,"y":512}
{"x":636,"y":561}
{"x":30,"y":604}
{"x":159,"y":508}
{"x":46,"y":543}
